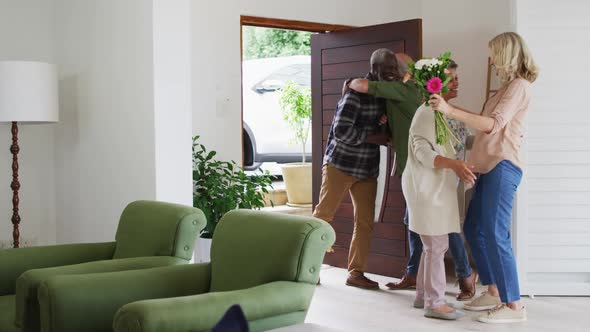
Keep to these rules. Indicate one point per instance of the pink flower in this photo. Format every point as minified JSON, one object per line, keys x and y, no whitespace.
{"x":434,"y":85}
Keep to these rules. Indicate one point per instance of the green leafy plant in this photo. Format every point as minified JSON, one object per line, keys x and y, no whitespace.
{"x":222,"y":186}
{"x":269,"y":43}
{"x":295,"y":104}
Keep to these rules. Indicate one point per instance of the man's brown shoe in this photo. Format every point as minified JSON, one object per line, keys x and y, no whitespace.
{"x":407,"y":282}
{"x":467,"y":287}
{"x":360,"y":281}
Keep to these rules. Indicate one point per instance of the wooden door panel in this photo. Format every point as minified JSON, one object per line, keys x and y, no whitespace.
{"x":383,"y":230}
{"x":357,"y":53}
{"x":342,"y":71}
{"x":330,"y":102}
{"x":337,"y":56}
{"x":395,"y":199}
{"x":394,"y":215}
{"x":395,"y":185}
{"x":328,"y":115}
{"x":379,"y":246}
{"x":332,"y":87}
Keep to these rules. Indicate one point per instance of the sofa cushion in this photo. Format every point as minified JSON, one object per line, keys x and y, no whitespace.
{"x":7,"y":308}
{"x":27,"y":285}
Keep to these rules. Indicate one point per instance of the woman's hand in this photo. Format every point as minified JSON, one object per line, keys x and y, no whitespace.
{"x":359,"y":85}
{"x":406,"y":77}
{"x":438,"y":103}
{"x":464,"y":171}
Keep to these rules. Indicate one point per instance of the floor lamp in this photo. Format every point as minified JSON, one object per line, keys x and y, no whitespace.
{"x":28,"y":94}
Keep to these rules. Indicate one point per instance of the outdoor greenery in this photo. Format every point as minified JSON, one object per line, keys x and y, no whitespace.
{"x":268,"y":43}
{"x":295,"y":103}
{"x":221,"y":186}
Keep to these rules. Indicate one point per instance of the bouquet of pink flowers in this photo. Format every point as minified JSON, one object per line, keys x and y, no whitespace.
{"x":431,"y":77}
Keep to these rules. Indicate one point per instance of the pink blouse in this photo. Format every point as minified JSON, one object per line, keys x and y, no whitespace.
{"x":508,"y":108}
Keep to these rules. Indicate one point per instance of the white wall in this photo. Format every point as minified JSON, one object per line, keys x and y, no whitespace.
{"x":105,"y":138}
{"x":26,"y":33}
{"x":464,"y":27}
{"x":216,"y":54}
{"x":556,"y":255}
{"x":172,"y":101}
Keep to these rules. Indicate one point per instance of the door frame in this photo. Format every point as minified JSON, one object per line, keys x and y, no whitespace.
{"x":276,"y":23}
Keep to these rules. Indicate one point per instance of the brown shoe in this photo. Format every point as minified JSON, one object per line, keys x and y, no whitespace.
{"x":467,"y":287}
{"x":407,"y":282}
{"x":360,"y":281}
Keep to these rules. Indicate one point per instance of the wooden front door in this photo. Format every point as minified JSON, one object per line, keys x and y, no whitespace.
{"x":337,"y":56}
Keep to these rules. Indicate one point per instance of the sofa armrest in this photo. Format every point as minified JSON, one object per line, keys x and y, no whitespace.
{"x":88,"y":302}
{"x":13,"y":262}
{"x":202,"y":312}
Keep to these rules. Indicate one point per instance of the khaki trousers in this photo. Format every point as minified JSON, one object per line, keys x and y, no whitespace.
{"x":363,"y":192}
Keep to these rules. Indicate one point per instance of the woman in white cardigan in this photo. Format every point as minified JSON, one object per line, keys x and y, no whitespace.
{"x":430,"y":184}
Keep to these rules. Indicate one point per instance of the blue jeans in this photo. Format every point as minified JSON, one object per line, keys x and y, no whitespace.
{"x":487,"y":229}
{"x":458,"y":252}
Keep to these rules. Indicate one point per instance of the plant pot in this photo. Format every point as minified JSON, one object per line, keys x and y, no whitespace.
{"x":297,"y":178}
{"x":202,"y":252}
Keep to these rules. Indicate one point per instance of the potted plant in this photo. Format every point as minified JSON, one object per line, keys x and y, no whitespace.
{"x":221,"y":186}
{"x":295,"y":102}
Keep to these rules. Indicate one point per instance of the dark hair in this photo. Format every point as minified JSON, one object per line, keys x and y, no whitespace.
{"x":452,"y":64}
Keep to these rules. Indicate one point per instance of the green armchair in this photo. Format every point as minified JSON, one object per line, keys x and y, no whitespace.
{"x":150,"y":234}
{"x":266,"y":262}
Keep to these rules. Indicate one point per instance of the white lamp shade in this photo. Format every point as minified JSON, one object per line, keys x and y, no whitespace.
{"x":28,"y":92}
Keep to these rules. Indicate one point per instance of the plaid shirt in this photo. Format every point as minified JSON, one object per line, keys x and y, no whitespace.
{"x":357,"y":115}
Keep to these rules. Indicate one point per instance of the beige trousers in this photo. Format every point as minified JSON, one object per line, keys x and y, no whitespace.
{"x":363,"y":192}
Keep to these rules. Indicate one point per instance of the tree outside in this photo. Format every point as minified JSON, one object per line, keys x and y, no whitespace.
{"x":269,"y":43}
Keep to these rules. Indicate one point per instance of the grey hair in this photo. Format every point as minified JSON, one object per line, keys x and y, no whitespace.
{"x":378,"y":57}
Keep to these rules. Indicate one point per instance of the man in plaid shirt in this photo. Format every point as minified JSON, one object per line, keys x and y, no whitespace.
{"x":351,"y":163}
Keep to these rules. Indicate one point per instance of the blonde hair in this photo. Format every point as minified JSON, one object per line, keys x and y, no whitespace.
{"x":512,"y":57}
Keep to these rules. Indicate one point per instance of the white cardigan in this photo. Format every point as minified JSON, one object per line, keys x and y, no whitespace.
{"x":430,"y":193}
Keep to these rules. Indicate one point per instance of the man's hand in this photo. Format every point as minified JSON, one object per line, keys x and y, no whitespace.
{"x":345,"y":86}
{"x":464,"y":171}
{"x":378,"y":139}
{"x":383,"y":120}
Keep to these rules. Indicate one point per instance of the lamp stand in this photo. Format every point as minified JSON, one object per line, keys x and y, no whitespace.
{"x":15,"y":185}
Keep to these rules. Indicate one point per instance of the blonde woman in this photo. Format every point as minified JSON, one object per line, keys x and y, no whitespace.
{"x":497,"y":157}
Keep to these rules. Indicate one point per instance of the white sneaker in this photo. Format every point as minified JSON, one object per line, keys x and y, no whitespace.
{"x":503,"y":314}
{"x":484,"y":302}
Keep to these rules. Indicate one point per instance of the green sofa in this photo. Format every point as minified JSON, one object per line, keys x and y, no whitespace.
{"x":268,"y":263}
{"x":150,"y":234}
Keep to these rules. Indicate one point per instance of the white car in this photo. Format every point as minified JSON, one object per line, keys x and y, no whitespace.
{"x":267,"y":137}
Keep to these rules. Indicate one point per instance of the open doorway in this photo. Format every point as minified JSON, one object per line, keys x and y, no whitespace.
{"x":336,"y":56}
{"x":276,"y":104}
